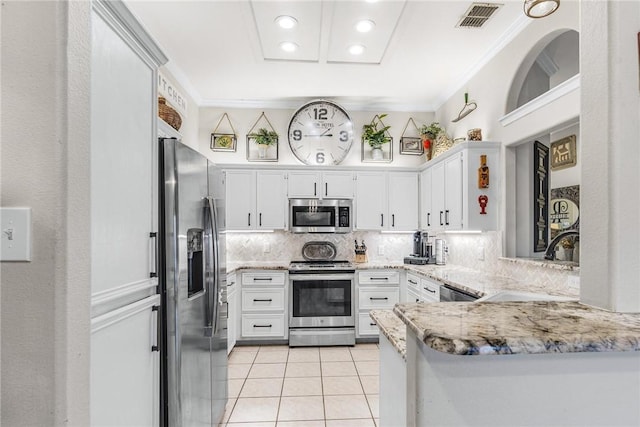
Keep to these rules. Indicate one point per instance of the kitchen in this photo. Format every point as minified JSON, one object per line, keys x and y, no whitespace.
{"x":606,"y":280}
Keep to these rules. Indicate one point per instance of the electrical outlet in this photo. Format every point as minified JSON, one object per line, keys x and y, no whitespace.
{"x":380,"y":250}
{"x":480,"y":253}
{"x":266,"y":248}
{"x":573,"y":282}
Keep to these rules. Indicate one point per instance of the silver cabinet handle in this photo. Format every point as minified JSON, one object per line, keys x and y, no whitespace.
{"x":153,"y":235}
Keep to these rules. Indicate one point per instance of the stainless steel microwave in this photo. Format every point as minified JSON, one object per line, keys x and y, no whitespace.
{"x":320,"y":216}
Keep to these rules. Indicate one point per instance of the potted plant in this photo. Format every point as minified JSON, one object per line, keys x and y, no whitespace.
{"x":429,"y":134}
{"x":264,"y":138}
{"x":376,"y":137}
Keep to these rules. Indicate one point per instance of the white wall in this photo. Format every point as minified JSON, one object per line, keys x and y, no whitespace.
{"x":244,"y":119}
{"x":45,"y":126}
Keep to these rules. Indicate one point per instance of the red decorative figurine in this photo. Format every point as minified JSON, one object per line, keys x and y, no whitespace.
{"x":483,"y":200}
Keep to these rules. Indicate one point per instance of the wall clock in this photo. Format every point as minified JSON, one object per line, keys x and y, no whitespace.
{"x":320,"y":133}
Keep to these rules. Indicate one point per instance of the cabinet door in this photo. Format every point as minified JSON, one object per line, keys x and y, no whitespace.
{"x":271,"y":200}
{"x":437,"y":196}
{"x":233,"y":313}
{"x":304,"y":185}
{"x":371,"y":201}
{"x":241,"y":200}
{"x":426,"y":215}
{"x":403,"y":201}
{"x":337,"y":185}
{"x":453,"y":192}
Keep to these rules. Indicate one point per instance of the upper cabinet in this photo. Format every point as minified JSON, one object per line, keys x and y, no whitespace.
{"x":322,"y":185}
{"x":256,"y":200}
{"x":387,"y":201}
{"x":452,"y":194}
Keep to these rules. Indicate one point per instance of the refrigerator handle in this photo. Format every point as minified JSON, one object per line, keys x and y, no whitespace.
{"x":215,"y":296}
{"x":156,"y":310}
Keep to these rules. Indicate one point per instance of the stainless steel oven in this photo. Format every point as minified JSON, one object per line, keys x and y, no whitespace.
{"x":321,"y":304}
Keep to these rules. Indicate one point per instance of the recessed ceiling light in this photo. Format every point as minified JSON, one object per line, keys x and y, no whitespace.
{"x":356,"y":49}
{"x":288,"y":46}
{"x":365,"y":26}
{"x":286,"y":22}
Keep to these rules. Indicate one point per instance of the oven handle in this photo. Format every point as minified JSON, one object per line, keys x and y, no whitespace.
{"x":319,"y":276}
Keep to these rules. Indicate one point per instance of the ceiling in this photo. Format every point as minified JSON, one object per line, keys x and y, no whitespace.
{"x":226,"y":53}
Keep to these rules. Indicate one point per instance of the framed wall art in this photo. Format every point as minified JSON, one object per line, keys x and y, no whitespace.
{"x":563,"y":153}
{"x":223,"y":140}
{"x":410,"y":140}
{"x":262,"y":141}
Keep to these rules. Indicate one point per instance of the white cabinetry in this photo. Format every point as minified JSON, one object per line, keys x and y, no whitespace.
{"x":377,"y":289}
{"x":314,"y":184}
{"x":387,"y":201}
{"x":449,"y":190}
{"x":256,"y":200}
{"x":233,"y":312}
{"x":264,"y":302}
{"x":422,"y":289}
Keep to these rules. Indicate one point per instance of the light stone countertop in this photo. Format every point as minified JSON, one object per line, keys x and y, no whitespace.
{"x":534,"y":327}
{"x":393,"y":328}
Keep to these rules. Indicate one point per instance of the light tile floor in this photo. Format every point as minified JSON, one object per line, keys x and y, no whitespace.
{"x":278,"y":386}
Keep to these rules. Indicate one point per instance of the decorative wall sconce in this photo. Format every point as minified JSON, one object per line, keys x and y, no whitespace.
{"x":540,"y":8}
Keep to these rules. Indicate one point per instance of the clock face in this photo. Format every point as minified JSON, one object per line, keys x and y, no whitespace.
{"x":320,"y":133}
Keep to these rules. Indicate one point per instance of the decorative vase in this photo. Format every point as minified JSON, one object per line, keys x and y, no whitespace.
{"x":376,"y":153}
{"x":426,"y":143}
{"x":262,"y":151}
{"x":168,"y":114}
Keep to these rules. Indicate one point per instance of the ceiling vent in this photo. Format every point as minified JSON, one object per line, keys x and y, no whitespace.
{"x":478,"y":14}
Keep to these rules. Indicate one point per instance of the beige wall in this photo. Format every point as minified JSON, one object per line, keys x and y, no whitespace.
{"x":45,"y":304}
{"x":189,"y":128}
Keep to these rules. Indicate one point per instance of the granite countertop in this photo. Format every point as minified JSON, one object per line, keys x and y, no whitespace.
{"x":393,"y":328}
{"x":534,"y":327}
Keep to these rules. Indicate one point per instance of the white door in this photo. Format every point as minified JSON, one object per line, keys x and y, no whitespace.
{"x":337,"y":185}
{"x":437,"y":196}
{"x":426,"y":215}
{"x":304,"y":185}
{"x":241,"y":200}
{"x":453,"y":192}
{"x":271,"y":200}
{"x":403,"y":201}
{"x":371,"y":201}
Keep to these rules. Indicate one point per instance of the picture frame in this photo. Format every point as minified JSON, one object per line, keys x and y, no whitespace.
{"x":563,"y":153}
{"x":261,"y":153}
{"x":411,"y":145}
{"x":367,"y":155}
{"x":223,"y":142}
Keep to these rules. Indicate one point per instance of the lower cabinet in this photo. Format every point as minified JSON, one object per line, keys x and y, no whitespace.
{"x":376,"y":289}
{"x":263,"y":305}
{"x":422,"y":289}
{"x":233,"y":311}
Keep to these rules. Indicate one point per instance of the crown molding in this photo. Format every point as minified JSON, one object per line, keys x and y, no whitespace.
{"x":182,"y":79}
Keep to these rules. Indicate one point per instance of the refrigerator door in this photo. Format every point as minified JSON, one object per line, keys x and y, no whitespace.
{"x":189,"y":288}
{"x":216,"y":203}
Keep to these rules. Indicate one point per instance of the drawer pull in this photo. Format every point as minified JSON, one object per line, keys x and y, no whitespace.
{"x":378,"y":298}
{"x":262,"y":326}
{"x":412,"y":281}
{"x":379,"y":278}
{"x":257,"y":279}
{"x":372,"y":324}
{"x":429,"y":290}
{"x":417,"y":299}
{"x":262,"y":300}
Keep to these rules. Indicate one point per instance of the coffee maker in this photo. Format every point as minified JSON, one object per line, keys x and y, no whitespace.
{"x":422,"y":249}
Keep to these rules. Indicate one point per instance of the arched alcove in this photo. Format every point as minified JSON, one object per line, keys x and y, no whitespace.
{"x":551,"y":61}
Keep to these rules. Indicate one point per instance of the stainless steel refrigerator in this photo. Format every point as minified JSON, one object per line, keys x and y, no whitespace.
{"x":193,"y":288}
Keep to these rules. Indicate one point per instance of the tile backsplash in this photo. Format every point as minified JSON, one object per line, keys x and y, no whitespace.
{"x":478,"y":251}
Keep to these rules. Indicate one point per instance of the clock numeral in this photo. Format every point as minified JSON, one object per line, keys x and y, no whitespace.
{"x":297,"y":135}
{"x":320,"y":158}
{"x":320,"y":113}
{"x":344,"y":136}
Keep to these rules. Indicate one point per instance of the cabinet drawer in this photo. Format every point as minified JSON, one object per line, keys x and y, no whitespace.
{"x":430,"y":290}
{"x":273,"y":278}
{"x":413,"y":296}
{"x":263,"y":325}
{"x":382,"y":277}
{"x":366,"y":325}
{"x":413,"y":282}
{"x":263,"y":299}
{"x":371,"y":298}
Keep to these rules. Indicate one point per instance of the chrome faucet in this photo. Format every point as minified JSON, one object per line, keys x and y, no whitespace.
{"x":551,"y":249}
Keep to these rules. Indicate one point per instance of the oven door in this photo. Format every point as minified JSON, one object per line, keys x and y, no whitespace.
{"x":321,"y":300}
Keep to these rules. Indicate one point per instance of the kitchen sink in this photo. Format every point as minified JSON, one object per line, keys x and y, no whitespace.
{"x":523,"y":296}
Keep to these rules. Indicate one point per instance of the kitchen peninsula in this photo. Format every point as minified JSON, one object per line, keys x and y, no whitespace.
{"x":518,"y":363}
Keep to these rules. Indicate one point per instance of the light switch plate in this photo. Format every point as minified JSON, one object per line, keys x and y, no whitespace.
{"x":15,"y":234}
